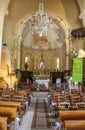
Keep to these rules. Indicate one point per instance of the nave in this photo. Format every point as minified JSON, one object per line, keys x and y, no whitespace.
{"x":42,"y":46}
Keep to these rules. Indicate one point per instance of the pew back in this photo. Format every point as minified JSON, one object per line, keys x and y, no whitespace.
{"x":75,"y":125}
{"x":72,"y":115}
{"x":3,"y":123}
{"x":9,"y":112}
{"x":10,"y":104}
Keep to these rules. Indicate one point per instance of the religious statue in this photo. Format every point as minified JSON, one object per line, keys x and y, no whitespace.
{"x":82,"y":16}
{"x":57,"y":64}
{"x":26,"y":66}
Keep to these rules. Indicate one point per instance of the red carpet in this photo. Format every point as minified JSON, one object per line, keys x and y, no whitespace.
{"x":43,"y":90}
{"x":47,"y":115}
{"x":34,"y":116}
{"x":41,"y":119}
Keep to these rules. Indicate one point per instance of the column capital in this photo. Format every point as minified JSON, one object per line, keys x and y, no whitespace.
{"x":67,"y":37}
{"x":4,"y":7}
{"x":3,"y":11}
{"x":67,"y":40}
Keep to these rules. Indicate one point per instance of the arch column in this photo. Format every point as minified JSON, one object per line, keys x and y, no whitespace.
{"x":3,"y":11}
{"x":82,"y":16}
{"x":13,"y":53}
{"x":67,"y":40}
{"x":19,"y":52}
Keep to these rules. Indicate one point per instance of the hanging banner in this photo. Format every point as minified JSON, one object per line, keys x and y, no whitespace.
{"x":77,"y":73}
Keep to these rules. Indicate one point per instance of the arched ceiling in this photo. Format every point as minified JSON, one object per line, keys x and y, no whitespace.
{"x":67,"y":10}
{"x":55,"y":37}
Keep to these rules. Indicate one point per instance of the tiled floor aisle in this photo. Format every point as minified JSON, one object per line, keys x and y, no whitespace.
{"x":28,"y":117}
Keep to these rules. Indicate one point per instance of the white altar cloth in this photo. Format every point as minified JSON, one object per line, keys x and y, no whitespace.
{"x":46,"y":82}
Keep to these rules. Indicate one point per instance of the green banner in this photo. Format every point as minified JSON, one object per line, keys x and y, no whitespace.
{"x":77,"y":70}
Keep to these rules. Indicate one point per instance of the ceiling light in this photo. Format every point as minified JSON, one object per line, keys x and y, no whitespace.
{"x":41,"y":21}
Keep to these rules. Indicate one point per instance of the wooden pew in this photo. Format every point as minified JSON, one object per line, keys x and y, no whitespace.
{"x":5,"y":97}
{"x":10,"y":104}
{"x":18,"y":98}
{"x":74,"y":100}
{"x":72,"y":115}
{"x":75,"y":125}
{"x":3,"y":123}
{"x":18,"y":105}
{"x":10,"y":113}
{"x":21,"y":108}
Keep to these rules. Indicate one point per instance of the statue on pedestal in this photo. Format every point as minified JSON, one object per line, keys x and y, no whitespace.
{"x":57,"y":64}
{"x":26,"y":66}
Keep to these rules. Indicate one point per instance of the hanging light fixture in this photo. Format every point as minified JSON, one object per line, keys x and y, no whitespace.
{"x":40,"y":21}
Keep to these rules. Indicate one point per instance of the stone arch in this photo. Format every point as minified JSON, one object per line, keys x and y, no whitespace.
{"x":21,"y":25}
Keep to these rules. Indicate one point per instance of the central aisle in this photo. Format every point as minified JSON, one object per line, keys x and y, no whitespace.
{"x":41,"y":119}
{"x":38,"y":116}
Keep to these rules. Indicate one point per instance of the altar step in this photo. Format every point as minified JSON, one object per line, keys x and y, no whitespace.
{"x":40,"y":94}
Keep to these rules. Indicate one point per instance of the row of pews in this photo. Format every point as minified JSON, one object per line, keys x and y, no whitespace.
{"x":13,"y":104}
{"x":3,"y":123}
{"x":73,"y":119}
{"x":70,"y":108}
{"x":67,"y":100}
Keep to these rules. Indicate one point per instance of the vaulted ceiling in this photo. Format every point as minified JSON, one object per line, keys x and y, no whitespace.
{"x":67,"y":10}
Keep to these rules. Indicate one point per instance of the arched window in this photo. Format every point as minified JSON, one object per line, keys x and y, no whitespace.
{"x":41,"y":61}
{"x":41,"y":64}
{"x":26,"y":63}
{"x":26,"y":59}
{"x":57,"y":64}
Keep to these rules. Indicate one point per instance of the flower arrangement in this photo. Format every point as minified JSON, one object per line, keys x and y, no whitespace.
{"x":41,"y":87}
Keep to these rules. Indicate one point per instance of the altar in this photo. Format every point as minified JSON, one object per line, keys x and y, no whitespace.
{"x":43,"y":81}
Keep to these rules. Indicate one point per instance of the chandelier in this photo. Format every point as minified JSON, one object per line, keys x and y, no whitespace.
{"x":40,"y":21}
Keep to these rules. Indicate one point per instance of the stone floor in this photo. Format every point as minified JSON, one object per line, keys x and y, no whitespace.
{"x":42,"y":116}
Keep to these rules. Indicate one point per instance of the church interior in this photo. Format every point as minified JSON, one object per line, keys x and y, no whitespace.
{"x":42,"y":57}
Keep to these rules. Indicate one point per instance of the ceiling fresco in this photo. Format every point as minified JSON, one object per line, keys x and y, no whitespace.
{"x":55,"y":37}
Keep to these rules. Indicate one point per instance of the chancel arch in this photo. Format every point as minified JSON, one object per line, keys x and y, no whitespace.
{"x":56,"y":38}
